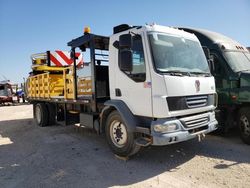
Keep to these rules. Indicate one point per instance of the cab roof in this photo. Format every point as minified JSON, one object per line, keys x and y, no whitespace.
{"x":210,"y":38}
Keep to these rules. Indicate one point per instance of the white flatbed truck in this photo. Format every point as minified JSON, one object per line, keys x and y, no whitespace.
{"x":144,"y":85}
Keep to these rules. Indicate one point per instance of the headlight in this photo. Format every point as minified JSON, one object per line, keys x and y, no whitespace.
{"x":166,"y":128}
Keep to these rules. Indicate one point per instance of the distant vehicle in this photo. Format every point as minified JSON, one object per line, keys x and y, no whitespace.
{"x":6,"y":92}
{"x":20,"y":95}
{"x":231,"y":69}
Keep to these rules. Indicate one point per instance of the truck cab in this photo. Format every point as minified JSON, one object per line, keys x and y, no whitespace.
{"x":6,"y":92}
{"x":231,"y":69}
{"x":160,"y":85}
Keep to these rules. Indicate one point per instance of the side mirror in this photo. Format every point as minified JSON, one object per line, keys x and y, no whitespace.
{"x":125,"y":41}
{"x":206,"y":52}
{"x":211,"y":63}
{"x":125,"y":60}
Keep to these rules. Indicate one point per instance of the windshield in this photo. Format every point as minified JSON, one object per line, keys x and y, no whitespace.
{"x":238,"y":61}
{"x":177,"y":54}
{"x":3,"y":91}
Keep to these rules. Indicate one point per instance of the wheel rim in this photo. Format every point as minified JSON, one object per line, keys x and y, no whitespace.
{"x":118,"y":133}
{"x":38,"y":114}
{"x":244,"y":125}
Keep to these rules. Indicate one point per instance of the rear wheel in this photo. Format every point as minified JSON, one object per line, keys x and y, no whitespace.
{"x":244,"y":124}
{"x":41,"y":114}
{"x":120,"y":140}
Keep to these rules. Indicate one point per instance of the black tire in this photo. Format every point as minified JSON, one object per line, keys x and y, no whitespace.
{"x":121,"y":142}
{"x":244,"y":124}
{"x":41,"y":114}
{"x":51,"y":113}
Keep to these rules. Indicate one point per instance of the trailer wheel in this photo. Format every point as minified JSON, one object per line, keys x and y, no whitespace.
{"x":121,"y":142}
{"x":51,"y":113}
{"x":244,"y":124}
{"x":41,"y":114}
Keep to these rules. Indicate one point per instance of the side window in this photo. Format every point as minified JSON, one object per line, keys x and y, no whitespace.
{"x":138,"y":56}
{"x":138,"y":73}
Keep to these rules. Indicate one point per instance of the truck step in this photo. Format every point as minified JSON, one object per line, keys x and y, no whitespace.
{"x":143,"y":141}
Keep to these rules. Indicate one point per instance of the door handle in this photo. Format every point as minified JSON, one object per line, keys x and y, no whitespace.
{"x":118,"y":92}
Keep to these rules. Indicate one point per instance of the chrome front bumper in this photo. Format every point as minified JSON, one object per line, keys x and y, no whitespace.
{"x":187,"y":128}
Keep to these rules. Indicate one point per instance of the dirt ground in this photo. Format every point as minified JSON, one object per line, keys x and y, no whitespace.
{"x":61,"y":156}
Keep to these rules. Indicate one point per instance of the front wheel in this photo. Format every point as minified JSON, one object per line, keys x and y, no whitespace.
{"x":244,"y":124}
{"x":120,"y":140}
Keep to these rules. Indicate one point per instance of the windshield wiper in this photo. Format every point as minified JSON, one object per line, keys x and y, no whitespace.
{"x":176,"y":73}
{"x":201,"y":73}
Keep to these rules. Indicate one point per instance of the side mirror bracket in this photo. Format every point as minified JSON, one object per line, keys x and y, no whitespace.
{"x":209,"y":58}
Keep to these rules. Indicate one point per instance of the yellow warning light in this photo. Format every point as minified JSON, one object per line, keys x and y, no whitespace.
{"x":86,"y":30}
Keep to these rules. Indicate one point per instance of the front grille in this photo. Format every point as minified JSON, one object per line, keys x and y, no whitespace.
{"x":187,"y":102}
{"x":196,"y":101}
{"x":195,"y":121}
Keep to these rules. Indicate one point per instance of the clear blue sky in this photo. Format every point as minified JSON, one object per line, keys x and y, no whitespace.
{"x":28,"y":27}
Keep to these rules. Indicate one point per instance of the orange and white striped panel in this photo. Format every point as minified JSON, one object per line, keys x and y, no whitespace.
{"x":62,"y":58}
